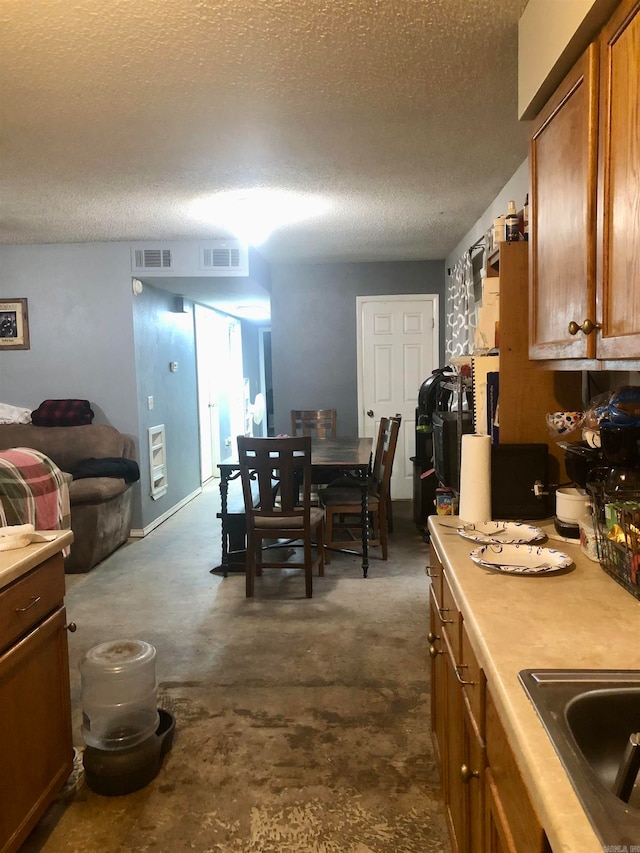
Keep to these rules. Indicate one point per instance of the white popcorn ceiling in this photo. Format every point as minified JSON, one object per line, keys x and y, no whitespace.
{"x":117,"y":113}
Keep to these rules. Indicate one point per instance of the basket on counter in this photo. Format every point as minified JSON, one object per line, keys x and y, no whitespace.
{"x":616,"y":521}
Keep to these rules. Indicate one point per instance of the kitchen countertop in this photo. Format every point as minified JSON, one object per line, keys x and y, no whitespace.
{"x":579,"y":619}
{"x":14,"y":564}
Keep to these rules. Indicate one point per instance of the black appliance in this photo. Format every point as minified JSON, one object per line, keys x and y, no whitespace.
{"x":446,"y":448}
{"x":515,"y":469}
{"x":432,"y":396}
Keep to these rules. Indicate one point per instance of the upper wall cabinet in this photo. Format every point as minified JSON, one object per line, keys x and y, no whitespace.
{"x":585,"y":206}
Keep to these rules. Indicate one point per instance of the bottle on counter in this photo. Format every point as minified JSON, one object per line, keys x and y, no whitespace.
{"x":497,"y":232}
{"x":512,"y":232}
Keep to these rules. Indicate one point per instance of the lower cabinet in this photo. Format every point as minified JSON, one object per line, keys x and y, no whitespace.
{"x":36,"y":747}
{"x":487,"y":806}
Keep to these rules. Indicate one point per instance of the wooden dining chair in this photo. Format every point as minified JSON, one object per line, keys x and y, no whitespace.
{"x":321,"y":423}
{"x":352,"y":482}
{"x":318,"y":423}
{"x":281,"y":467}
{"x":342,"y":504}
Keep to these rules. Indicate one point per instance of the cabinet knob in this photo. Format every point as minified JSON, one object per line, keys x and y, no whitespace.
{"x":433,"y":652}
{"x":432,"y":637}
{"x":71,"y":627}
{"x":587,"y":327}
{"x":466,"y":774}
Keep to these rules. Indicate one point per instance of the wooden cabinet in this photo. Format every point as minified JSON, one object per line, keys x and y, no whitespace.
{"x":512,"y":822}
{"x":36,"y":754}
{"x":487,"y":806}
{"x":585,"y":206}
{"x":527,"y":391}
{"x":457,"y":690}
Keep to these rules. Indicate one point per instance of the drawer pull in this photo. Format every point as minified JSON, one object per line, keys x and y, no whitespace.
{"x":442,"y":610}
{"x":431,"y":575}
{"x":466,"y":774}
{"x":34,"y":600}
{"x":458,"y":667}
{"x":71,"y":627}
{"x":433,"y":652}
{"x":432,"y":637}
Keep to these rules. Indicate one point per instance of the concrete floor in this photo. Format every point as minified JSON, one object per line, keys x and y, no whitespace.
{"x":301,"y":725}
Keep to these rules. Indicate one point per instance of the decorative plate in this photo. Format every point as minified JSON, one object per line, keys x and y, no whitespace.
{"x":520,"y":559}
{"x":504,"y":532}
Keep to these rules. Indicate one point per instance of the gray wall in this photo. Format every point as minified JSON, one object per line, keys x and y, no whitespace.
{"x":313,"y":330}
{"x":80,"y":326}
{"x":82,"y":312}
{"x":163,"y":336}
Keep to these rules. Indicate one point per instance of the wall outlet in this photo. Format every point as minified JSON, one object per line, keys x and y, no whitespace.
{"x":150,"y":402}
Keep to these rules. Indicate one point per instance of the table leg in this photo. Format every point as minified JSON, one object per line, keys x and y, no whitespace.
{"x":224,"y":489}
{"x":365,"y":523}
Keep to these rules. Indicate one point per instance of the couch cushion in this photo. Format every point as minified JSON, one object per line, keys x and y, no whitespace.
{"x":95,"y":490}
{"x":67,"y":445}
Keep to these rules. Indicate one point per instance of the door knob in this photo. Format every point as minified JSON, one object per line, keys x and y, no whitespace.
{"x":369,"y":413}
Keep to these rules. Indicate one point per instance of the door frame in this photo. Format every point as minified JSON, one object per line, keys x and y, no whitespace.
{"x":399,"y":299}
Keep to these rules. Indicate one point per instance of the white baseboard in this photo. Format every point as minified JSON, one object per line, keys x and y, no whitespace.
{"x":139,"y":533}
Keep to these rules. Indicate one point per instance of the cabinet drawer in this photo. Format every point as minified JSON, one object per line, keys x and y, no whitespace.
{"x":29,"y":599}
{"x":450,"y":620}
{"x":473,"y":681}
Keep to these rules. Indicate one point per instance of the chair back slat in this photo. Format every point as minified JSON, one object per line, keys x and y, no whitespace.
{"x":282,"y":469}
{"x":321,"y":423}
{"x":388,"y":441}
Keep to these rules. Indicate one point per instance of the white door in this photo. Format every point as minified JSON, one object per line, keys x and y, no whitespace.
{"x":209,"y":333}
{"x":398,"y":348}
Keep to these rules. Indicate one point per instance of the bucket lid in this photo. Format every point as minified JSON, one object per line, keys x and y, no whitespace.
{"x":118,"y":656}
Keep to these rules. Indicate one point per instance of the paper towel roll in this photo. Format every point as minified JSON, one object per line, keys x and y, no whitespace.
{"x":475,"y":478}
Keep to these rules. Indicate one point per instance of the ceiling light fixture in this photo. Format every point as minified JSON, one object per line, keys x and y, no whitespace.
{"x":254,"y":214}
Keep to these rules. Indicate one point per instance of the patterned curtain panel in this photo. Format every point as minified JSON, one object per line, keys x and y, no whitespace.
{"x":460,"y":308}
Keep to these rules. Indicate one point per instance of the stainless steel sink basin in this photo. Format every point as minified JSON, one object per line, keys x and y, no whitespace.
{"x":589,"y":716}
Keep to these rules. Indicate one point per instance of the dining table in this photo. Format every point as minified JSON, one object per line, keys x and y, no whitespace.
{"x":342,"y":456}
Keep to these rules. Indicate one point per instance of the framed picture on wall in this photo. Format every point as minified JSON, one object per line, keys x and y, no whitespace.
{"x":14,"y":324}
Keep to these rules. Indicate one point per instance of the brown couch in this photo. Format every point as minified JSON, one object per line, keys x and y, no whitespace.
{"x":100,"y":506}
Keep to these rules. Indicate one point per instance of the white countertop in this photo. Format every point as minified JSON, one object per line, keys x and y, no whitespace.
{"x":581,"y":619}
{"x":14,"y":564}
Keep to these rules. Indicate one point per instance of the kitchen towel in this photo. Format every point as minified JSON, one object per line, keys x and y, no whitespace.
{"x":475,"y":478}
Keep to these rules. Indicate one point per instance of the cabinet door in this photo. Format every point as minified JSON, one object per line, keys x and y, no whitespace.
{"x":497,"y":835}
{"x":472,"y":775}
{"x":563,"y":158}
{"x":455,"y":789}
{"x":512,"y":812}
{"x":35,"y":724}
{"x":438,"y":685}
{"x":619,"y":173}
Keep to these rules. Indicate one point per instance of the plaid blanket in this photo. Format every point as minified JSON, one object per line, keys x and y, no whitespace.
{"x":33,"y":490}
{"x":62,"y":413}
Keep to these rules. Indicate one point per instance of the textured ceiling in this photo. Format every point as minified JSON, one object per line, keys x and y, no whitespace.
{"x":116,"y":114}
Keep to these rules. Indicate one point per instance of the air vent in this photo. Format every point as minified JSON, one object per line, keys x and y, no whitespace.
{"x":226,"y":257}
{"x":216,"y":258}
{"x":152,"y":259}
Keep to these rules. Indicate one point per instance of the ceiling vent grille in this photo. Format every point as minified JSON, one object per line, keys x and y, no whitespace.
{"x":227,"y":257}
{"x":152,"y":259}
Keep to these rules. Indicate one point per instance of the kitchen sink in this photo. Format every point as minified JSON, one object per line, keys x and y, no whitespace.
{"x":590,"y":716}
